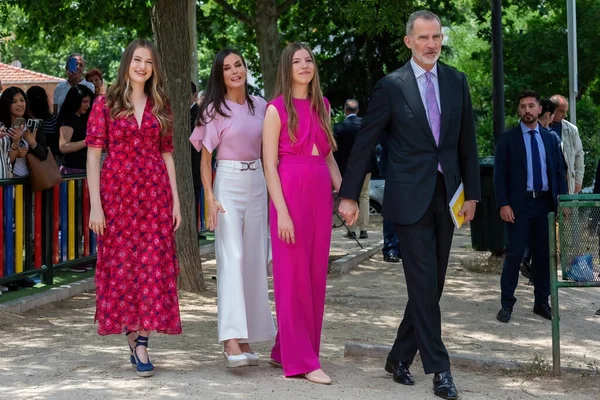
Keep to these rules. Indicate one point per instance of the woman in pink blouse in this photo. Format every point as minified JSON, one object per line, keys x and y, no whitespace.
{"x":300,"y":171}
{"x":134,"y":205}
{"x":230,"y":122}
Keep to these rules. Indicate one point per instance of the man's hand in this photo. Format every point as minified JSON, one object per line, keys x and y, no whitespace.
{"x":578,"y":187}
{"x":349,"y":211}
{"x":468,"y":210}
{"x":507,"y":214}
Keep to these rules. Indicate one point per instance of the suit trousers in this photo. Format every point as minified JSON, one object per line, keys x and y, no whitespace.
{"x":363,"y":202}
{"x":300,"y":269}
{"x":425,"y":247}
{"x":241,"y":244}
{"x":530,"y":224}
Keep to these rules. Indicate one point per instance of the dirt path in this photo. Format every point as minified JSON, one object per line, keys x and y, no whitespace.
{"x":54,"y":351}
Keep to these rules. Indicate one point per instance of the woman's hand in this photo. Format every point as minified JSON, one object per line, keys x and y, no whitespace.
{"x":214,"y":208}
{"x":285,"y":228}
{"x":15,"y":135}
{"x":97,"y":220}
{"x":22,"y":152}
{"x":176,"y":216}
{"x":3,"y":131}
{"x":30,"y":137}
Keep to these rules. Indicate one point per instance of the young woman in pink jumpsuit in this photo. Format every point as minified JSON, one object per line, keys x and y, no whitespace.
{"x":301,"y":172}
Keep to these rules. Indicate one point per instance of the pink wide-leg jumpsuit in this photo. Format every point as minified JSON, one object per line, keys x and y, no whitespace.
{"x":300,"y":269}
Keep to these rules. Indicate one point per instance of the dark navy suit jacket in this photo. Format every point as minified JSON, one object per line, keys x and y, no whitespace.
{"x":510,"y":169}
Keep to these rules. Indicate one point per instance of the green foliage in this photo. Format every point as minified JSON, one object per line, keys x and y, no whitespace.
{"x":588,"y":122}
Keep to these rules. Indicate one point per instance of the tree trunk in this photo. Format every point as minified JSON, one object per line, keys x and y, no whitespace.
{"x":267,"y":37}
{"x":193,"y":32}
{"x":170,"y":28}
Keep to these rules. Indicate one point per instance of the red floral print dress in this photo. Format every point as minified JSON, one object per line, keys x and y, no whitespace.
{"x":137,"y":268}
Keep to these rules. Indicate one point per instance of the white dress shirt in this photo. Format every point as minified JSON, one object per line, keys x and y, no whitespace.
{"x":422,"y":84}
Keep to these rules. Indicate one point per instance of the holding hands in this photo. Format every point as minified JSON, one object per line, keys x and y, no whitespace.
{"x":348,"y":209}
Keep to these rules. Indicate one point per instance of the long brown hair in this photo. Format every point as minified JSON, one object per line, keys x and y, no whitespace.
{"x":283,"y":86}
{"x":118,"y":95}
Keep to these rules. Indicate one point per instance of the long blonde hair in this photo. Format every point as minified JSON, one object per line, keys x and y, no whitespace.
{"x":118,"y":96}
{"x":283,"y":86}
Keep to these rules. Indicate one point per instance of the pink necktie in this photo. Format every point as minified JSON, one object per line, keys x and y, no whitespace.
{"x":432,"y":110}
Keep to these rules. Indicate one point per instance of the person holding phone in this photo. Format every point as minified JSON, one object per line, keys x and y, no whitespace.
{"x":14,"y":112}
{"x":75,"y":65}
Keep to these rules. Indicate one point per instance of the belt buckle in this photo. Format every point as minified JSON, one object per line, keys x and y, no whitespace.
{"x":534,"y":194}
{"x":248,"y":166}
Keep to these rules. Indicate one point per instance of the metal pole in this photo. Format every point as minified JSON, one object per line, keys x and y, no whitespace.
{"x":497,"y":69}
{"x":572,"y":49}
{"x":554,"y":294}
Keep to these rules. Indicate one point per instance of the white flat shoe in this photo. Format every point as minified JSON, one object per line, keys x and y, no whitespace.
{"x":318,"y":376}
{"x":252,"y":359}
{"x":236,"y":361}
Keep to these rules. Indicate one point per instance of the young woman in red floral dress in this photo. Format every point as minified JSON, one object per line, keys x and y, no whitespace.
{"x":134,"y":205}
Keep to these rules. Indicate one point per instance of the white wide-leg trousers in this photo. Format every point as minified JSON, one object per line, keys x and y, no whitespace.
{"x":241,"y":248}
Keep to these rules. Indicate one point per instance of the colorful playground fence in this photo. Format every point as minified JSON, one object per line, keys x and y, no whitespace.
{"x":44,"y":231}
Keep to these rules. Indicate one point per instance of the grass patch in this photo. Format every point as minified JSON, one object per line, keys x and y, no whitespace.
{"x":539,"y":366}
{"x":483,"y":264}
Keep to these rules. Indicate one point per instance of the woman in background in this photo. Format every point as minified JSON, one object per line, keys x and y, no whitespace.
{"x":73,"y":125}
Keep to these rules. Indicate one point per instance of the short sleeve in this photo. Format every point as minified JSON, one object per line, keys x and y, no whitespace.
{"x":97,"y":126}
{"x":166,"y":140}
{"x":208,"y":135}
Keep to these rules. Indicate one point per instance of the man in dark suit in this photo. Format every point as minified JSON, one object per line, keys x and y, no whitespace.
{"x":528,"y":177}
{"x":426,"y":109}
{"x":345,"y":135}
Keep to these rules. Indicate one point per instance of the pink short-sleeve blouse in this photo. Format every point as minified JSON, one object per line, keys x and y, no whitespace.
{"x":236,"y":137}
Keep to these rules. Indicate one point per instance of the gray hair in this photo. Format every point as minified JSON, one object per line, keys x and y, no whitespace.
{"x":351,"y":106}
{"x":423,"y":14}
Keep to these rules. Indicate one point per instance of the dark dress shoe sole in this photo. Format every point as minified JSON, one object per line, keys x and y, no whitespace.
{"x":445,"y":396}
{"x":391,"y":259}
{"x":543,"y":314}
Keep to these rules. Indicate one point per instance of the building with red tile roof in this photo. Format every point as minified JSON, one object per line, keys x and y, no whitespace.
{"x":24,"y":78}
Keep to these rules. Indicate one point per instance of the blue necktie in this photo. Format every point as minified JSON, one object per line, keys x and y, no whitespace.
{"x":536,"y":163}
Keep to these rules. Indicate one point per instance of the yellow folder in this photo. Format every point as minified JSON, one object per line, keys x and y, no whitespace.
{"x":456,"y":204}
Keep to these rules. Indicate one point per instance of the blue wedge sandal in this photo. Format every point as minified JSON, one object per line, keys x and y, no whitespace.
{"x":143,"y":369}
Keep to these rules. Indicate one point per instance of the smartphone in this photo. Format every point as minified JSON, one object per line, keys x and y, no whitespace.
{"x":72,"y":65}
{"x":33,"y":124}
{"x":19,"y":122}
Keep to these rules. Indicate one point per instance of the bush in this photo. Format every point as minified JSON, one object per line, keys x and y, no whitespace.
{"x":588,"y":122}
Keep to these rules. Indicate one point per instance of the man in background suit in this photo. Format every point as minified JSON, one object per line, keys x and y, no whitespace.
{"x":345,"y":135}
{"x":571,"y":145}
{"x":426,"y":109}
{"x":528,"y":177}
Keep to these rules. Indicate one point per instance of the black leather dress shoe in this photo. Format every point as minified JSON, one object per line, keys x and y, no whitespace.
{"x":543,"y":310}
{"x":363,"y":235}
{"x":504,"y":314}
{"x":443,"y":386}
{"x":350,"y":235}
{"x":391,"y":257}
{"x":400,"y":371}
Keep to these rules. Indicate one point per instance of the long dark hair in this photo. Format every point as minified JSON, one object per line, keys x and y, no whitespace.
{"x":73,"y":101}
{"x":6,"y":100}
{"x":38,"y":102}
{"x":216,"y":90}
{"x":117,"y":95}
